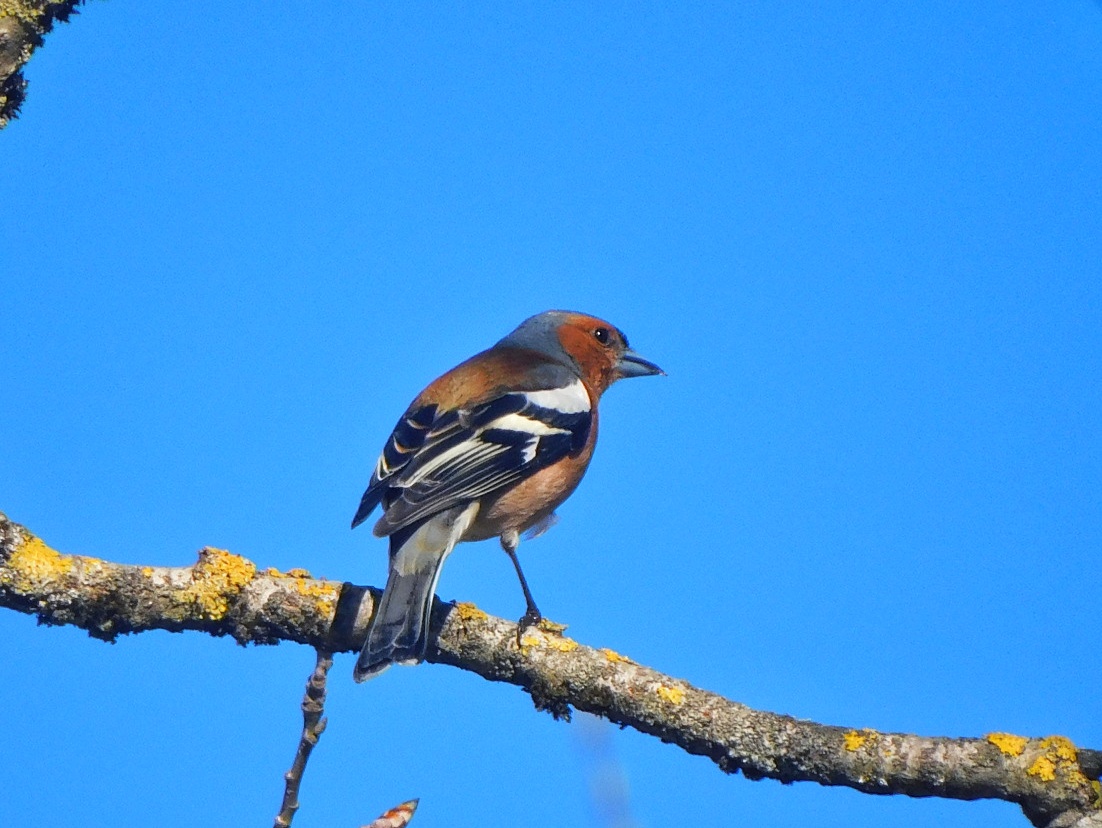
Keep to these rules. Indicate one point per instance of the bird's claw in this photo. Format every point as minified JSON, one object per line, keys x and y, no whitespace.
{"x":531,"y":618}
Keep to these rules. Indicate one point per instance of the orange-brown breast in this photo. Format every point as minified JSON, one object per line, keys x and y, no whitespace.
{"x":535,"y":497}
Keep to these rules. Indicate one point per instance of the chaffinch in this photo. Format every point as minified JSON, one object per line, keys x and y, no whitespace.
{"x":490,"y":449}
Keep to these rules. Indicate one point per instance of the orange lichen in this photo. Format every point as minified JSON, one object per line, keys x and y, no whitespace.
{"x":325,"y":593}
{"x":1008,"y":743}
{"x":550,"y":636}
{"x":469,"y":612}
{"x":216,"y":580}
{"x":672,"y":695}
{"x":560,"y":643}
{"x":1043,"y":768}
{"x":1058,"y":756}
{"x":614,"y":656}
{"x":854,"y":740}
{"x":1062,"y":748}
{"x":33,"y":564}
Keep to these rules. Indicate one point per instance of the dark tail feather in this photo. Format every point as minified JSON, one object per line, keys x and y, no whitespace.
{"x":399,"y":628}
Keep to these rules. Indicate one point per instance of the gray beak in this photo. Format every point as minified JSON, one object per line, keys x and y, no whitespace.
{"x":633,"y":365}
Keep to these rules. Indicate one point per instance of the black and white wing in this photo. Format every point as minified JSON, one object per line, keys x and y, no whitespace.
{"x":438,"y":459}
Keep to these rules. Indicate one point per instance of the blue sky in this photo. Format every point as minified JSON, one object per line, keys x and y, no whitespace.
{"x":864,"y":240}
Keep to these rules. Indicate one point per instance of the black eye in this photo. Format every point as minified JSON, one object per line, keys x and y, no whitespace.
{"x":602,"y":335}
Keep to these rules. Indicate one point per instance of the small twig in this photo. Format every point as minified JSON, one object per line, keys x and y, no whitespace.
{"x":1052,"y":779}
{"x":398,"y":817}
{"x":313,"y":725}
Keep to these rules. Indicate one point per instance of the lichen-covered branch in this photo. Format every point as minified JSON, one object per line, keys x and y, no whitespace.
{"x":1055,"y":783}
{"x":23,"y":24}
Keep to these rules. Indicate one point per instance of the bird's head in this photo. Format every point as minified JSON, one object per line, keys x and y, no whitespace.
{"x":596,"y":349}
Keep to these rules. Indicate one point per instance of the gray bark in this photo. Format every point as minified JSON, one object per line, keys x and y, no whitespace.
{"x":1054,"y":782}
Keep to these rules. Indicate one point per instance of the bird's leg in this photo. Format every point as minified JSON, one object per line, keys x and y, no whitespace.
{"x":509,"y":542}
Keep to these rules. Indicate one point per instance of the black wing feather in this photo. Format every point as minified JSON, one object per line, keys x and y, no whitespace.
{"x":438,"y":459}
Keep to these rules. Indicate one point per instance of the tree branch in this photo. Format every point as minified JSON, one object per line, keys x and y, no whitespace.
{"x":313,"y":725}
{"x":23,"y":24}
{"x":1055,"y":783}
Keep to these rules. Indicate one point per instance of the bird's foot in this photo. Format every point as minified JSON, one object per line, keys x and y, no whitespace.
{"x":531,"y":618}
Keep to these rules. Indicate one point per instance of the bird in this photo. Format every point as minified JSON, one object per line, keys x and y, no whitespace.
{"x":489,"y":449}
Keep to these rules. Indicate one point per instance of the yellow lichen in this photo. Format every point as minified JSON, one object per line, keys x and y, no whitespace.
{"x":23,"y":12}
{"x":555,"y":642}
{"x":1061,"y":747}
{"x":855,"y":740}
{"x":147,"y":571}
{"x":561,"y":643}
{"x":215,"y":580}
{"x":325,"y":593}
{"x":673,"y":695}
{"x":615,"y":657}
{"x":469,"y":612}
{"x":549,"y":626}
{"x":1008,"y":743}
{"x":1044,"y":768}
{"x":34,"y":563}
{"x":1059,"y":755}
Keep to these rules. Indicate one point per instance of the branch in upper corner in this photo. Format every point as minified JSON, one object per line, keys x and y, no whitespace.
{"x":313,"y":725}
{"x":23,"y":24}
{"x":223,"y":594}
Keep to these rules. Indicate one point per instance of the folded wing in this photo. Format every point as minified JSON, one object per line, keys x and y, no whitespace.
{"x":436,"y":459}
